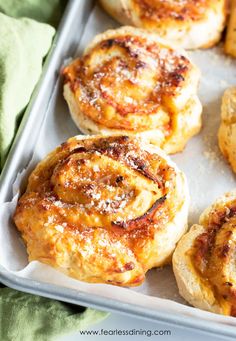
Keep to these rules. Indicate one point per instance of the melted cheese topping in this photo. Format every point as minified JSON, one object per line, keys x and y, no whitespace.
{"x":94,"y":208}
{"x":132,"y":83}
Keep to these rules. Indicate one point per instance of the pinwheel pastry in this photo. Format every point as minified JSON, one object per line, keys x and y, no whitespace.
{"x":189,"y":24}
{"x":104,"y":209}
{"x":204,"y":260}
{"x":227,"y":131}
{"x":129,"y":82}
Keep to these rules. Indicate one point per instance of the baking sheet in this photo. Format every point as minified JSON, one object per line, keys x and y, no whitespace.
{"x":208,"y":176}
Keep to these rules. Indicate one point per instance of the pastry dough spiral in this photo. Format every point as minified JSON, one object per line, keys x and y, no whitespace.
{"x":227,"y":131}
{"x":204,"y":260}
{"x":188,"y":24}
{"x":104,"y":209}
{"x":129,"y":82}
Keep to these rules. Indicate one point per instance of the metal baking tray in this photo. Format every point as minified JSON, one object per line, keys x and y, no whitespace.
{"x":65,"y":44}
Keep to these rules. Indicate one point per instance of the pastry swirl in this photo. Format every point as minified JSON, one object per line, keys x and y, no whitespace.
{"x":188,"y":24}
{"x":204,"y":260}
{"x":129,"y":82}
{"x":104,"y":209}
{"x":227,"y":130}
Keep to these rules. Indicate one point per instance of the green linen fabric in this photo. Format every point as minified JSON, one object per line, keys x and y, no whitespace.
{"x":48,"y":11}
{"x":23,"y":45}
{"x":26,"y":317}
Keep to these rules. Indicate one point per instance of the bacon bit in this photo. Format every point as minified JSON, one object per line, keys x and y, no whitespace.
{"x":79,"y":150}
{"x":202,"y":246}
{"x":120,"y":178}
{"x":233,"y":311}
{"x":140,"y":65}
{"x":107,"y":43}
{"x":229,"y":284}
{"x":225,"y":250}
{"x":123,"y":43}
{"x":232,"y":212}
{"x":175,"y":79}
{"x":219,"y":217}
{"x":64,"y":145}
{"x":127,"y":267}
{"x":228,"y":234}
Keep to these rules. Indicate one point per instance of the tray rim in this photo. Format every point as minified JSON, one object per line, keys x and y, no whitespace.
{"x":99,"y":302}
{"x":72,"y":295}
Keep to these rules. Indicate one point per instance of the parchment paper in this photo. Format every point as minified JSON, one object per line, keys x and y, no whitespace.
{"x":209,"y":176}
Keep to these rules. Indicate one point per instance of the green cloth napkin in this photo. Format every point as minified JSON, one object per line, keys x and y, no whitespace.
{"x":25,"y":317}
{"x":23,"y":45}
{"x":48,"y":11}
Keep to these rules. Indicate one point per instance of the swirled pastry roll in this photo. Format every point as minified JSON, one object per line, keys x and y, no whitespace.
{"x":129,"y":82}
{"x":189,"y":24}
{"x":204,"y":260}
{"x":104,"y":209}
{"x":227,"y":131}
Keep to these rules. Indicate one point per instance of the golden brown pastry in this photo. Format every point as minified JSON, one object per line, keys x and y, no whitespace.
{"x":189,"y":24}
{"x":227,"y":131}
{"x":230,"y":40}
{"x":129,"y":82}
{"x":204,"y":260}
{"x":104,"y":209}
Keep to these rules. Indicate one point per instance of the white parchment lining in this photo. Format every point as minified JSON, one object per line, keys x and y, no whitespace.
{"x":208,"y":176}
